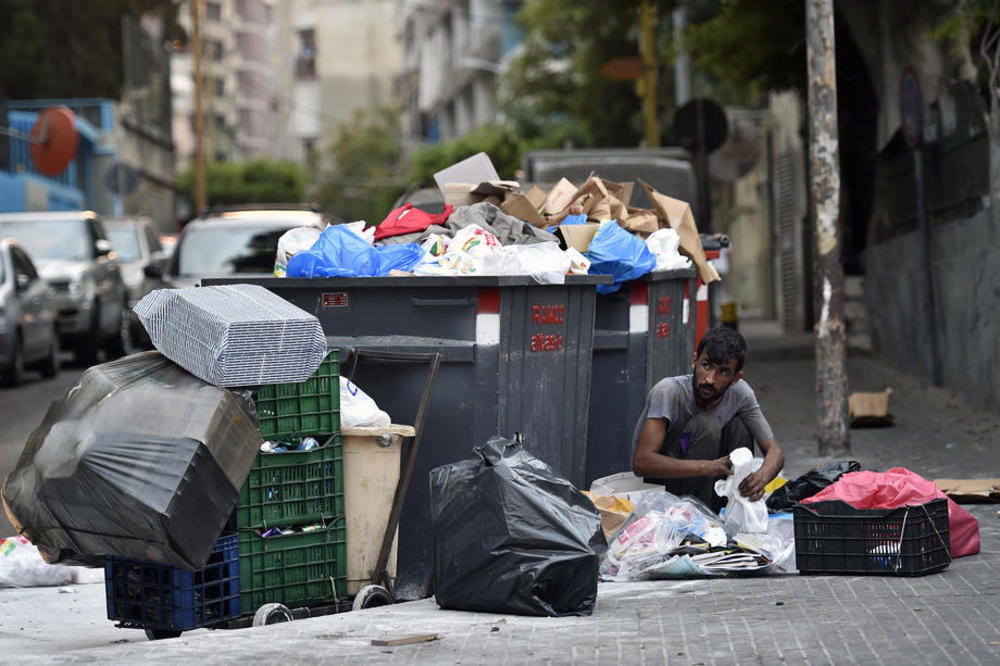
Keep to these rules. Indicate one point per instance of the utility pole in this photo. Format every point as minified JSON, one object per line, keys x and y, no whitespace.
{"x":648,"y":80}
{"x":824,"y":161}
{"x":199,"y":148}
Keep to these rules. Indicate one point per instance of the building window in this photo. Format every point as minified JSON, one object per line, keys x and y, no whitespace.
{"x":309,"y":151}
{"x":220,"y":87}
{"x":213,"y":11}
{"x":305,"y":62}
{"x":213,"y":50}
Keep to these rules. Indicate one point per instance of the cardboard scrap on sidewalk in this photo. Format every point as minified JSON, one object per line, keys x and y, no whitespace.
{"x":614,"y":511}
{"x":870,"y":409}
{"x":970,"y":490}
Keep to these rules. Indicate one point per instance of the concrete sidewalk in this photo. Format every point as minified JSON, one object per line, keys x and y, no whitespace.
{"x":952,"y":617}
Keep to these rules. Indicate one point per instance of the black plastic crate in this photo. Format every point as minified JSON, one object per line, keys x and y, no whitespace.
{"x":834,"y":537}
{"x":149,"y":595}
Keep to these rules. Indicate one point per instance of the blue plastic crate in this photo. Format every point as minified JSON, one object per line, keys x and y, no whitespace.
{"x":149,"y":595}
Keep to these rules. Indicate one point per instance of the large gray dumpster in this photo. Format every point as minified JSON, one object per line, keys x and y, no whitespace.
{"x":642,"y":333}
{"x":516,"y":357}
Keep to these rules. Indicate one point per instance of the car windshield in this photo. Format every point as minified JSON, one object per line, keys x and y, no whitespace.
{"x":125,"y":241}
{"x":226,"y":250}
{"x":51,"y":239}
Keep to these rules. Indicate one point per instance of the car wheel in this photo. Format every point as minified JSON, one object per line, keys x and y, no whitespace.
{"x":50,"y":366}
{"x":14,"y":374}
{"x":371,"y":596}
{"x":271,"y":614}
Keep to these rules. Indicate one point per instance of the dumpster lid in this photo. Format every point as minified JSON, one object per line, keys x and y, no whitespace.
{"x":414,"y":281}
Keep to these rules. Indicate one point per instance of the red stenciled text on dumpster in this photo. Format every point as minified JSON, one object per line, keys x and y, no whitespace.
{"x":662,"y":329}
{"x":544,"y":342}
{"x":548,"y":314}
{"x":663,"y":305}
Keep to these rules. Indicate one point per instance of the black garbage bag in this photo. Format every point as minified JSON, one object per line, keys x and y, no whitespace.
{"x":512,"y":536}
{"x":139,"y":459}
{"x":810,"y":483}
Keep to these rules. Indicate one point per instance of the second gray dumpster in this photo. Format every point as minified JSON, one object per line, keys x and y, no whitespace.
{"x":516,"y":357}
{"x":642,"y":333}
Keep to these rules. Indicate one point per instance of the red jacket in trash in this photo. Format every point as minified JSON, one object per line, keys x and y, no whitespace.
{"x":406,"y":219}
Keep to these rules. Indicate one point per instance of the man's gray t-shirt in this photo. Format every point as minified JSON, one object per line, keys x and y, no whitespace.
{"x":672,"y":398}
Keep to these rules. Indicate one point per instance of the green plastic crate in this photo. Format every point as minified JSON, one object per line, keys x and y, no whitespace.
{"x":294,"y":569}
{"x":293,"y":487}
{"x":292,"y":411}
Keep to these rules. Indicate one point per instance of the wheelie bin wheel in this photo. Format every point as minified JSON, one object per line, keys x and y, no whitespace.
{"x":371,"y":596}
{"x":271,"y":614}
{"x":160,"y":634}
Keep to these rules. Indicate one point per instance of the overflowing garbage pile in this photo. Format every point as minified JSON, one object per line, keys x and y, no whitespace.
{"x":493,"y":227}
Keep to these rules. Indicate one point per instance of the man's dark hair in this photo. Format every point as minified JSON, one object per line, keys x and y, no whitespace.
{"x":722,"y":344}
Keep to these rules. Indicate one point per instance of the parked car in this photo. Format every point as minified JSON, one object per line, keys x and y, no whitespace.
{"x":28,"y":335}
{"x":137,"y":246}
{"x":72,"y":252}
{"x":231,"y":242}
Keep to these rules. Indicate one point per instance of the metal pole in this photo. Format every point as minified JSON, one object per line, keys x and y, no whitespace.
{"x":934,"y":362}
{"x":831,"y":337}
{"x":199,"y":149}
{"x":682,"y":65}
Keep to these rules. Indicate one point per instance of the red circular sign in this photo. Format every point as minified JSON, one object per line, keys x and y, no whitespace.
{"x":911,"y":107}
{"x":54,"y":140}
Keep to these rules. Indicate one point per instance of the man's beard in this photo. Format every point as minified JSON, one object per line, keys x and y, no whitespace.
{"x":709,"y":396}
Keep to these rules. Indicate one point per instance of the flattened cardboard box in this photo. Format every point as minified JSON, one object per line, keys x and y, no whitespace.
{"x":870,"y":409}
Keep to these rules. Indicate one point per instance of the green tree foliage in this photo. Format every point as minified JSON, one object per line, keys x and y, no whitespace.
{"x":502,"y":147}
{"x":554,"y":91}
{"x":367,"y":172}
{"x":57,"y":48}
{"x":258,"y":181}
{"x":750,"y":45}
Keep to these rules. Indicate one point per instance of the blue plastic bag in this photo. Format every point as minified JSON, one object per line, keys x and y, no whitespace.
{"x":616,"y":252}
{"x":339,"y":252}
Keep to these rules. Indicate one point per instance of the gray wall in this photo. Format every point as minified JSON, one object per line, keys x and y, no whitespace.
{"x":965,"y":264}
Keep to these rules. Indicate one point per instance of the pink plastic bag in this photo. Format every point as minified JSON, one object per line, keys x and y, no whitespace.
{"x":900,"y":487}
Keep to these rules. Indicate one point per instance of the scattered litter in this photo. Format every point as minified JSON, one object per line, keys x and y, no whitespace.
{"x":404,"y":640}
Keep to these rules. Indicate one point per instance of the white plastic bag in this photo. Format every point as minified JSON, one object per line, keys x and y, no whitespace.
{"x":742,"y":515}
{"x":367,"y":235}
{"x":357,"y":409}
{"x":294,"y":240}
{"x":544,"y":261}
{"x":22,"y":566}
{"x":664,"y":244}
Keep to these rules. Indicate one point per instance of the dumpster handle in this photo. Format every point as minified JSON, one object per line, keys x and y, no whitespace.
{"x":379,"y":574}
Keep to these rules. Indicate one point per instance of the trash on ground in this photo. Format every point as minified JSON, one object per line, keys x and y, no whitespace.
{"x":970,"y":490}
{"x":614,"y":511}
{"x":512,"y":536}
{"x":21,"y":565}
{"x":234,"y":335}
{"x":679,"y":537}
{"x":139,"y":459}
{"x":788,"y":494}
{"x":404,"y":640}
{"x":870,"y":409}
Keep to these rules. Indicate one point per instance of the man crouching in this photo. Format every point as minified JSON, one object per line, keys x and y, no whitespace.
{"x":691,"y":424}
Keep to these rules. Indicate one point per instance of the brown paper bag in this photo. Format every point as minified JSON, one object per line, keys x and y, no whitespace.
{"x":677,"y":215}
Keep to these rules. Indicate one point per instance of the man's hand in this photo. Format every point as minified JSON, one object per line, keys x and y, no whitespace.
{"x":753,"y":486}
{"x":718,"y":467}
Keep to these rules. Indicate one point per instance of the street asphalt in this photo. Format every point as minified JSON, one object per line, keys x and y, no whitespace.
{"x":951,"y":617}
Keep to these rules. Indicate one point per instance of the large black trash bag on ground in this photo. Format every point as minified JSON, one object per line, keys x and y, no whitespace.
{"x":810,"y":483}
{"x":512,"y":536}
{"x":139,"y":459}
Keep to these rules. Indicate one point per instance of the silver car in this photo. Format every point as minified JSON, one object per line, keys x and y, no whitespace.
{"x":28,"y":336}
{"x":137,"y":245}
{"x":234,"y":242}
{"x":72,"y":252}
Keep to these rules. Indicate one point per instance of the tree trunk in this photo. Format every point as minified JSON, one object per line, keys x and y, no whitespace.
{"x":831,"y":348}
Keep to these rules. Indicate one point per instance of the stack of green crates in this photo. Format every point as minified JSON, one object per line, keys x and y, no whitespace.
{"x":296,"y":488}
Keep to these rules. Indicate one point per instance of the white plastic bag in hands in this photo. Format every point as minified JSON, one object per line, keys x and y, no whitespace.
{"x":357,"y":409}
{"x":742,"y":515}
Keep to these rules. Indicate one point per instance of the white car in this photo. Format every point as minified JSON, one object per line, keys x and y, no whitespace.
{"x":28,"y":335}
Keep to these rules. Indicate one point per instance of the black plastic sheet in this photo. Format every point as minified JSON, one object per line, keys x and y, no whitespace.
{"x":810,"y":483}
{"x":512,"y":536}
{"x":139,"y":459}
